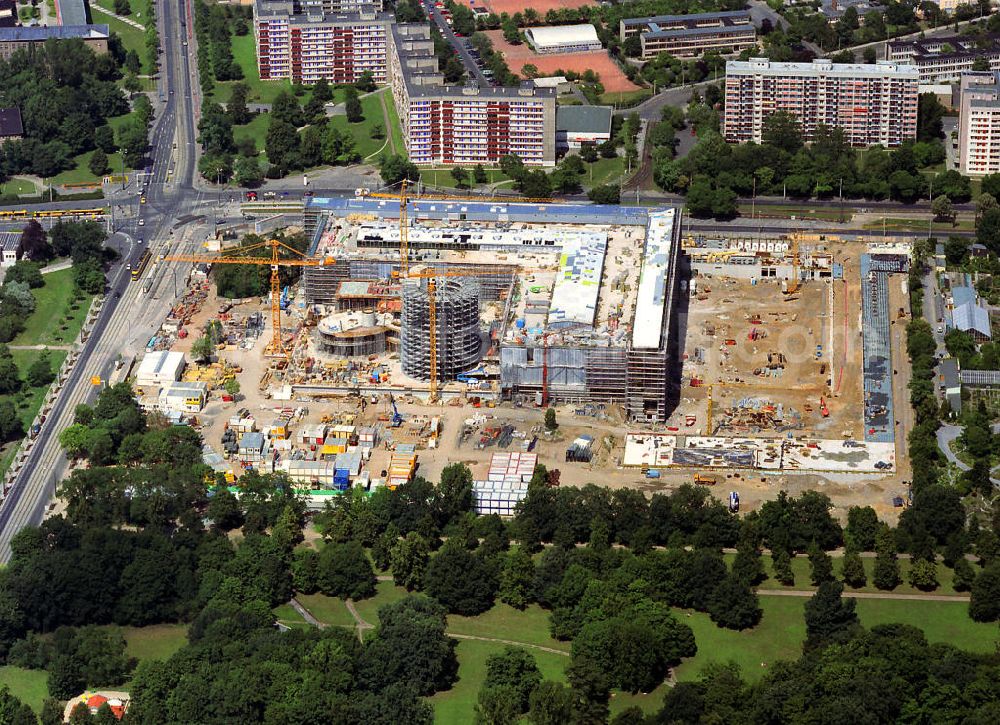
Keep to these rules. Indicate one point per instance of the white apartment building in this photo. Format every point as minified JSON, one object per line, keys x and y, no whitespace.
{"x":873,"y":104}
{"x":979,"y":124}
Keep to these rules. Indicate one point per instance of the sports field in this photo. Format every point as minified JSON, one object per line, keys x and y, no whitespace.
{"x":519,"y":6}
{"x":612,"y":77}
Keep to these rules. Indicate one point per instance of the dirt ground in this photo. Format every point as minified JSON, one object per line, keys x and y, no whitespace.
{"x":612,"y":77}
{"x":823,"y":313}
{"x":517,"y":6}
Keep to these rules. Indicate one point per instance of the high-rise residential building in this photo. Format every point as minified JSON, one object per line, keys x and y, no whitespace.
{"x":691,"y":35}
{"x":979,"y":124}
{"x":457,"y":125}
{"x":873,"y":104}
{"x":441,"y":124}
{"x":944,"y":58}
{"x":304,"y":42}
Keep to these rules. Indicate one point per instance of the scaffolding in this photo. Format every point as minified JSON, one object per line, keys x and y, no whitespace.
{"x":458,"y":338}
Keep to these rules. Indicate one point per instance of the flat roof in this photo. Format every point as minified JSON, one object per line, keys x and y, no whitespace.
{"x":586,"y":119}
{"x":578,"y":281}
{"x":10,"y":122}
{"x":653,"y":283}
{"x":741,"y":29}
{"x":71,"y":12}
{"x":687,"y":19}
{"x":823,"y":66}
{"x":59,"y":32}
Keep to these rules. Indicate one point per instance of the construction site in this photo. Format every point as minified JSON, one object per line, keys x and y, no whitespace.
{"x":428,"y":331}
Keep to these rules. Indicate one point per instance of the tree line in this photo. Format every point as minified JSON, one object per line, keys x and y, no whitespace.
{"x":715,"y":173}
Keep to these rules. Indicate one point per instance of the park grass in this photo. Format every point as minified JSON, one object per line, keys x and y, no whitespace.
{"x":328,"y":610}
{"x":919,"y":225}
{"x":778,"y":636}
{"x":385,"y":593}
{"x":256,"y":129}
{"x":287,"y":616}
{"x":29,"y":686}
{"x":441,"y":177}
{"x":787,"y":211}
{"x":155,"y":642}
{"x":53,"y":322}
{"x":395,"y":128}
{"x":530,"y":626}
{"x":458,"y":704}
{"x":16,"y":187}
{"x":946,"y":622}
{"x":361,"y":132}
{"x":132,"y":38}
{"x":80,"y":173}
{"x":801,"y":570}
{"x":604,"y":171}
{"x":28,"y":401}
{"x":245,"y":54}
{"x":625,"y":97}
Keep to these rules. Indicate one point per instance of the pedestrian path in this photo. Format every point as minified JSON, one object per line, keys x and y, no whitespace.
{"x":127,"y":21}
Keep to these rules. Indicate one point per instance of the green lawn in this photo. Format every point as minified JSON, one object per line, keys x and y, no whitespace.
{"x":361,"y":132}
{"x":920,"y":225}
{"x":442,"y":176}
{"x":395,"y":130}
{"x":17,"y":187}
{"x":386,"y":593}
{"x":604,"y":171}
{"x":800,"y":567}
{"x":155,"y":642}
{"x":457,"y":705}
{"x":329,"y":610}
{"x":245,"y":54}
{"x":29,"y":400}
{"x":29,"y":686}
{"x":140,"y":10}
{"x":803,"y":211}
{"x":132,"y":38}
{"x":287,"y":616}
{"x":780,"y":634}
{"x":504,"y":622}
{"x":941,"y":621}
{"x":256,"y":129}
{"x":54,"y":322}
{"x":628,"y":97}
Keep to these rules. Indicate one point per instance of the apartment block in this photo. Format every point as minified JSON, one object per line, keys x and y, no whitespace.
{"x":873,"y":104}
{"x":461,"y":125}
{"x":979,"y":124}
{"x":304,"y":42}
{"x":441,"y":124}
{"x":944,"y":59}
{"x":691,"y":35}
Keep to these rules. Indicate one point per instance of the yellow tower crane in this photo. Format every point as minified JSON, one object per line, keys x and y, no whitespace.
{"x":246,"y":255}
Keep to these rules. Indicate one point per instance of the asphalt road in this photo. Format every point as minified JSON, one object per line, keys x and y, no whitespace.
{"x":129,"y":315}
{"x":460,"y":50}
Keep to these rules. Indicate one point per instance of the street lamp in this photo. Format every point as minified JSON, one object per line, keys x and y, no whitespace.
{"x":121,"y":154}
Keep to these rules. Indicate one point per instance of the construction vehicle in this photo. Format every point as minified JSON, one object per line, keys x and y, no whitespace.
{"x":824,"y":411}
{"x":245,"y":255}
{"x":701,"y":479}
{"x":734,"y":502}
{"x":397,"y":419}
